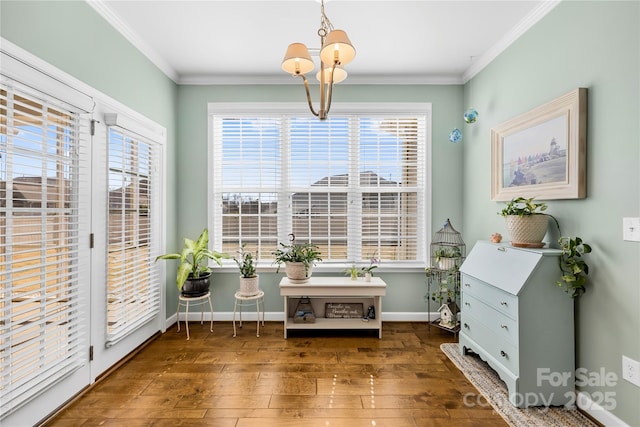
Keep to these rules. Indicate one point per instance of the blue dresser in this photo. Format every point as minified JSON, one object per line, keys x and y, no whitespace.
{"x":519,"y":321}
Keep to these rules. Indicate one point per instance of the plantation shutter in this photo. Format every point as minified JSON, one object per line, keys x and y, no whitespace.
{"x":133,"y":283}
{"x":44,"y":182}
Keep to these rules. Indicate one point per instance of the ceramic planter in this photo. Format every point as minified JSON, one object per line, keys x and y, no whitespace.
{"x":196,"y":287}
{"x":297,"y":271}
{"x":447,"y":263}
{"x":249,"y":286}
{"x":527,"y":230}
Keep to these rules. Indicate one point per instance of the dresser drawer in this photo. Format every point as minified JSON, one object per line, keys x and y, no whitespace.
{"x":500,"y":300}
{"x":497,"y":322}
{"x":500,"y":349}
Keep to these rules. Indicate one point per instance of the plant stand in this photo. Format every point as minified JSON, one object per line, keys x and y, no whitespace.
{"x":436,"y":279}
{"x":201,"y":300}
{"x":248,"y":300}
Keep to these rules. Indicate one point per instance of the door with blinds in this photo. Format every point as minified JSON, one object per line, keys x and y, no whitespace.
{"x":80,"y":227}
{"x":44,"y":249}
{"x":127,"y":206}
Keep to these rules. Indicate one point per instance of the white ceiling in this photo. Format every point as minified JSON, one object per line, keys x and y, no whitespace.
{"x":397,"y":42}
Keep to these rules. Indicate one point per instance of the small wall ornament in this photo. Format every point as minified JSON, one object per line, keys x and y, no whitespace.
{"x":455,"y":135}
{"x":470,"y":116}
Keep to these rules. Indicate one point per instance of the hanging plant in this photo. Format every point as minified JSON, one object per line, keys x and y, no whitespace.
{"x":573,"y":267}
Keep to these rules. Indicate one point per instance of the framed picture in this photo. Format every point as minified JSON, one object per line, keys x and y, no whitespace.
{"x":542,"y":153}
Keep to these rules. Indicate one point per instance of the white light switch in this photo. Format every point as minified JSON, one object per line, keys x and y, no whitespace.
{"x":631,"y":229}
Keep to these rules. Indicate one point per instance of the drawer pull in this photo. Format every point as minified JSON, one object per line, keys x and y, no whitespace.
{"x":503,"y":354}
{"x":503,"y":303}
{"x":467,"y":304}
{"x":502,"y":249}
{"x":467,"y":285}
{"x":503,"y":326}
{"x":466,"y":325}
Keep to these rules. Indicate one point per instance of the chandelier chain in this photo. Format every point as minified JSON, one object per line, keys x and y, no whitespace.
{"x":325,"y":24}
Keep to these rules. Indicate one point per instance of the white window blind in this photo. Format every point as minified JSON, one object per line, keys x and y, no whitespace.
{"x":248,"y":172}
{"x":353,"y":185}
{"x":133,"y":282}
{"x":42,"y":142}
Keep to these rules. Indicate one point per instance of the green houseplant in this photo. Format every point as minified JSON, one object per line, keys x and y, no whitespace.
{"x":526,"y":221}
{"x":448,"y":289}
{"x":352,"y":272}
{"x":249,"y":284}
{"x":447,"y":257}
{"x":298,"y":258}
{"x":573,"y":267}
{"x":194,"y":272}
{"x":520,"y":206}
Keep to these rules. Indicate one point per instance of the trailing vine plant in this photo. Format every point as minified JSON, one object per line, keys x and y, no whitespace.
{"x":574,"y":269}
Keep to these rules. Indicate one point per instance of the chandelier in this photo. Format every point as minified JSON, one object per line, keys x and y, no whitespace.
{"x":336,"y":51}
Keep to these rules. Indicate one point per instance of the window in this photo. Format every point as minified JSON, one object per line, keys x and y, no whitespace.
{"x":133,"y":282}
{"x":355,"y":184}
{"x":41,"y":332}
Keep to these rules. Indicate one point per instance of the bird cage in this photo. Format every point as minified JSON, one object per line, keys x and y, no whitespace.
{"x":448,"y":251}
{"x":447,"y":248}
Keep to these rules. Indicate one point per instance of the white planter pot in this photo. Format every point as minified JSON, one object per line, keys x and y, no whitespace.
{"x":446,"y":263}
{"x":527,"y":230}
{"x":297,"y":271}
{"x":249,"y":285}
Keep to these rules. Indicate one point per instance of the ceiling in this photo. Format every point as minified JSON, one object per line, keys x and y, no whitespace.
{"x":397,"y":42}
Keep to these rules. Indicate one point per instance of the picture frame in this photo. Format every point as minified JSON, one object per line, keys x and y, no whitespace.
{"x":542,"y":153}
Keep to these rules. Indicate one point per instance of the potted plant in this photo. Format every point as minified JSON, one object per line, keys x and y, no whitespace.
{"x":352,"y":271}
{"x":194,"y":272}
{"x":368,"y":271}
{"x":298,"y":259}
{"x":526,"y":222}
{"x":249,"y":280}
{"x":447,"y":257}
{"x":574,"y":269}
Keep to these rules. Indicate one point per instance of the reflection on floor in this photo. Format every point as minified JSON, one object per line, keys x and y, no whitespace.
{"x":333,"y":378}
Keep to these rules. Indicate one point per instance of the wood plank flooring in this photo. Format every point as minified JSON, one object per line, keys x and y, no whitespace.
{"x":311,"y":379}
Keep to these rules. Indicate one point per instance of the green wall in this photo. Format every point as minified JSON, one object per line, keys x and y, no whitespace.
{"x":579,"y":44}
{"x":406,"y":290}
{"x":595,"y":45}
{"x":73,"y":37}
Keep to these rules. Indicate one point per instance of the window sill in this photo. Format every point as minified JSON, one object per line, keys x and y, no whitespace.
{"x":332,"y":268}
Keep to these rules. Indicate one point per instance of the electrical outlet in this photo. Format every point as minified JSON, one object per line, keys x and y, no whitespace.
{"x":631,"y":229}
{"x":631,"y":370}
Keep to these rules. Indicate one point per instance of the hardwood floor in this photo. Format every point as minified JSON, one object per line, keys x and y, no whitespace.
{"x":312,"y":379}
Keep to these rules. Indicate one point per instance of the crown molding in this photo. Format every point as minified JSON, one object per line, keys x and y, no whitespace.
{"x":221,"y":79}
{"x":282,"y":79}
{"x":132,"y":36}
{"x":522,"y":27}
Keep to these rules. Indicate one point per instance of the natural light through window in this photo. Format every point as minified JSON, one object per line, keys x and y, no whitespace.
{"x":355,"y":185}
{"x":40,"y":333}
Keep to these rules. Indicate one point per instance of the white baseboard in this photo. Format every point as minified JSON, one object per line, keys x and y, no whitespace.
{"x":407,"y":317}
{"x":598,"y":413}
{"x":276,"y":316}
